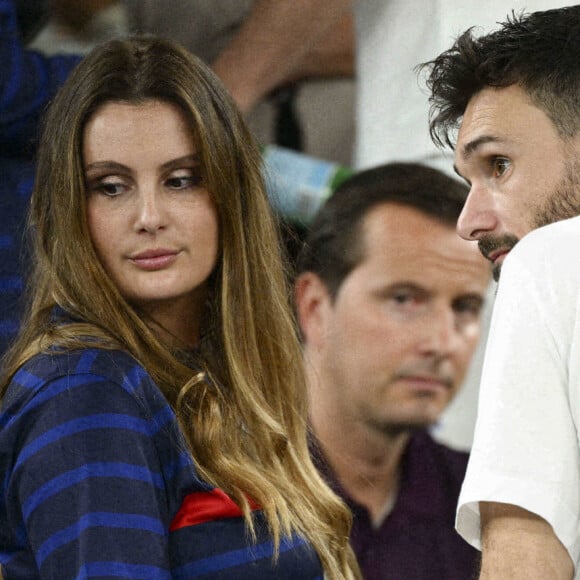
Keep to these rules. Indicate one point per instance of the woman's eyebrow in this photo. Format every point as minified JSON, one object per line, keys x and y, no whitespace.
{"x":109,"y":165}
{"x":180,"y":161}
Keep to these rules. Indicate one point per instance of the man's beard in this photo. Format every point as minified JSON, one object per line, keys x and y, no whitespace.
{"x":564,"y":203}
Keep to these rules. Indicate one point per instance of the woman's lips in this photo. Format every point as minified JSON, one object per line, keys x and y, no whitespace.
{"x":154,"y":259}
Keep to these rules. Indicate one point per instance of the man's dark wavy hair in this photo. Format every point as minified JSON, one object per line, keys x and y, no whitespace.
{"x":540,"y":52}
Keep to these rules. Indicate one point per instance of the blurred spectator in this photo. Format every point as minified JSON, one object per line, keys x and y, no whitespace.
{"x":389,"y":301}
{"x":28,"y":81}
{"x":75,"y":26}
{"x":258,"y":47}
{"x":288,"y":65}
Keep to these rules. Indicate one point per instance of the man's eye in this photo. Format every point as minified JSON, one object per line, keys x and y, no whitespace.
{"x":407,"y":299}
{"x":468,"y":307}
{"x":401,"y":298}
{"x":500,"y":165}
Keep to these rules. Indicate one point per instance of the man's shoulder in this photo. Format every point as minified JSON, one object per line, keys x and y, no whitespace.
{"x":542,"y":262}
{"x":553,"y":244}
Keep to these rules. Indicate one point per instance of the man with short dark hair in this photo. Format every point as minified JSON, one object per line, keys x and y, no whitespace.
{"x":389,"y":301}
{"x":514,"y":95}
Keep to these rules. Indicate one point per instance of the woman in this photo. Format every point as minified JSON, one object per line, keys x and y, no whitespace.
{"x":153,"y":420}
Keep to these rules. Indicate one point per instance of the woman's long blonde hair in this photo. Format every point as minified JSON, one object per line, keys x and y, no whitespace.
{"x":244,"y":412}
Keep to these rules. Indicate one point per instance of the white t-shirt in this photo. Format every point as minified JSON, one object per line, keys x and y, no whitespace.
{"x":526,"y":449}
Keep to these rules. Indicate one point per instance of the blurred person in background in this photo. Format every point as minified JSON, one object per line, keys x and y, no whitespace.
{"x":28,"y":81}
{"x":389,"y":302}
{"x":288,"y":65}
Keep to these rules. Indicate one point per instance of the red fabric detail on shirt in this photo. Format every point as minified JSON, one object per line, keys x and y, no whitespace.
{"x":206,"y":506}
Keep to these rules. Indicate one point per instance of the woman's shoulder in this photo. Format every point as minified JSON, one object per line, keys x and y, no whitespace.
{"x":115,"y":365}
{"x":66,"y":396}
{"x":114,"y":374}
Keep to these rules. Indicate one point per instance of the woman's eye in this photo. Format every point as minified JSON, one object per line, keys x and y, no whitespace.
{"x":183,"y":181}
{"x":109,"y":188}
{"x":179,"y":182}
{"x":500,"y":166}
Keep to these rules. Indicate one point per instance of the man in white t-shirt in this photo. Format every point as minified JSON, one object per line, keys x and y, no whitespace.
{"x":514,"y":96}
{"x":393,"y":37}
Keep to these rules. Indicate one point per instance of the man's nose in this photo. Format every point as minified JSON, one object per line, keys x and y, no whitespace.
{"x":478,"y":216}
{"x":441,"y":336}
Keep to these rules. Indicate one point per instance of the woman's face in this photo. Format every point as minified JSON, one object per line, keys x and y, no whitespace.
{"x":153,"y":224}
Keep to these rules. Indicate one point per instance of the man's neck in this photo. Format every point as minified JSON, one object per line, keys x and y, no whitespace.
{"x":366,"y":463}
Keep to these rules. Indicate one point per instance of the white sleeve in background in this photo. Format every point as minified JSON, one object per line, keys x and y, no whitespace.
{"x":526,"y":449}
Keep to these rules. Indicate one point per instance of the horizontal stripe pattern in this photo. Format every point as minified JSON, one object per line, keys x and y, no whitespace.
{"x":122,"y":570}
{"x":97,"y":520}
{"x":232,"y":559}
{"x":11,"y":284}
{"x":76,"y":476}
{"x":99,"y":483}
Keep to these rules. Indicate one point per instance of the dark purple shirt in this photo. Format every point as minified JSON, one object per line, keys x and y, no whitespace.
{"x":417,"y":540}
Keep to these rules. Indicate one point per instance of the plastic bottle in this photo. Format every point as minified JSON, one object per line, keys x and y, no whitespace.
{"x":299,"y":184}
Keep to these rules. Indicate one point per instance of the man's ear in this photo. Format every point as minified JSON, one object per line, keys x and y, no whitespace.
{"x":313,"y":302}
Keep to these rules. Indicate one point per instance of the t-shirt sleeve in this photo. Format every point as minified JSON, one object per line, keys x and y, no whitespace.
{"x":88,"y":482}
{"x":525,"y":449}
